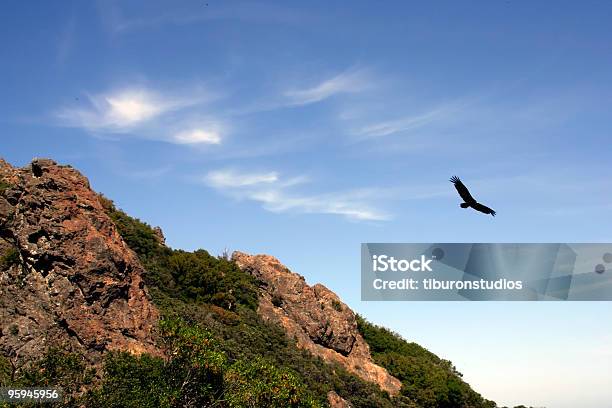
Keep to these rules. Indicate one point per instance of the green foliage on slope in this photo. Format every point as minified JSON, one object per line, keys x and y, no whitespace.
{"x":258,"y":383}
{"x":9,"y":257}
{"x":191,"y":276}
{"x":196,"y":374}
{"x":4,"y":186}
{"x":428,"y":380}
{"x":214,"y":293}
{"x":57,"y":369}
{"x":245,"y":336}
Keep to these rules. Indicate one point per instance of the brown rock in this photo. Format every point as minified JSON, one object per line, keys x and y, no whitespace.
{"x":159,"y":235}
{"x":78,"y":285}
{"x":336,"y":401}
{"x":315,"y":317}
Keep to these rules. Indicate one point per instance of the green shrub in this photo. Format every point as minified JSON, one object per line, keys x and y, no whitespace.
{"x":131,"y":381}
{"x":58,"y":368}
{"x":191,"y":376}
{"x":9,"y":258}
{"x":139,"y":236}
{"x":201,"y":277}
{"x":4,"y":186}
{"x":257,"y":383}
{"x":195,"y":374}
{"x":427,"y":380}
{"x":193,"y":346}
{"x":191,"y":276}
{"x":248,"y":337}
{"x":6,"y":371}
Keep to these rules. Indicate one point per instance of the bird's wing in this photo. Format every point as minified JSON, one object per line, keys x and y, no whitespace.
{"x":462,"y":189}
{"x":483,"y":209}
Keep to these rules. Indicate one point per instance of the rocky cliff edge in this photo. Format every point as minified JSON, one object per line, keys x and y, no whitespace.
{"x":73,"y":282}
{"x":316,"y":317}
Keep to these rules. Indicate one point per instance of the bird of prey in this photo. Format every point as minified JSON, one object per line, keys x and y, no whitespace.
{"x":469,"y":201}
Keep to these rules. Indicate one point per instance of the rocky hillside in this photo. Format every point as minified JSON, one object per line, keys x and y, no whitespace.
{"x":315,"y":317}
{"x":83,"y":285}
{"x":74,"y":283}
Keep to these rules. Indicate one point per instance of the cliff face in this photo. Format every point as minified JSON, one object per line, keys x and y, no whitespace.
{"x":75,"y":284}
{"x":315,"y":317}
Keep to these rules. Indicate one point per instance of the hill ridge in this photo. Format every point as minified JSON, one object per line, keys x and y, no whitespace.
{"x":85,"y":286}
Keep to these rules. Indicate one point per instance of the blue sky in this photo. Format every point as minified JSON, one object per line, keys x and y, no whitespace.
{"x":301,"y":129}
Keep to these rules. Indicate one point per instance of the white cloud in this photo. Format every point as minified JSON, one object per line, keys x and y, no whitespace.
{"x":347,"y":82}
{"x":398,"y":125}
{"x":442,"y":114}
{"x":144,"y":112}
{"x":198,"y":136}
{"x":273,"y":192}
{"x":121,"y":110}
{"x":132,"y":107}
{"x":233,"y":179}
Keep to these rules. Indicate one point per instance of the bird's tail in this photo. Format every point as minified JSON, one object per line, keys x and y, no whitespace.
{"x":464,"y":205}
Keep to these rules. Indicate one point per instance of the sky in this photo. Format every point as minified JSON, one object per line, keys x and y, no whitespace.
{"x":302,"y":129}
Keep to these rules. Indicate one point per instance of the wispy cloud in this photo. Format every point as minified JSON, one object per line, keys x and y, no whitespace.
{"x":484,"y":120}
{"x":140,"y":110}
{"x":119,"y":110}
{"x":402,"y":124}
{"x":275,"y":194}
{"x":347,"y":82}
{"x":438,"y":115}
{"x":66,"y":40}
{"x":197,"y":136}
{"x":233,"y":179}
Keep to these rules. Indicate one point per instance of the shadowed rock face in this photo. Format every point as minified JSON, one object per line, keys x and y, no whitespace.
{"x":76,"y":284}
{"x":315,"y":317}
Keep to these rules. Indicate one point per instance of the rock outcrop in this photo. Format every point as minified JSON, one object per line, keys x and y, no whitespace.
{"x":75,"y":283}
{"x":336,"y":401}
{"x":315,"y":317}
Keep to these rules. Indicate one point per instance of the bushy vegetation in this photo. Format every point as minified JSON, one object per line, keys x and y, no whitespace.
{"x":244,"y":336}
{"x":258,"y":383}
{"x":196,"y":374}
{"x":4,"y":186}
{"x":213,"y":292}
{"x":9,"y":258}
{"x":57,"y":369}
{"x":428,"y":380}
{"x":191,"y":276}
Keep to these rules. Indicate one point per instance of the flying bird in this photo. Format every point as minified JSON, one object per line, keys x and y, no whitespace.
{"x":469,"y":201}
